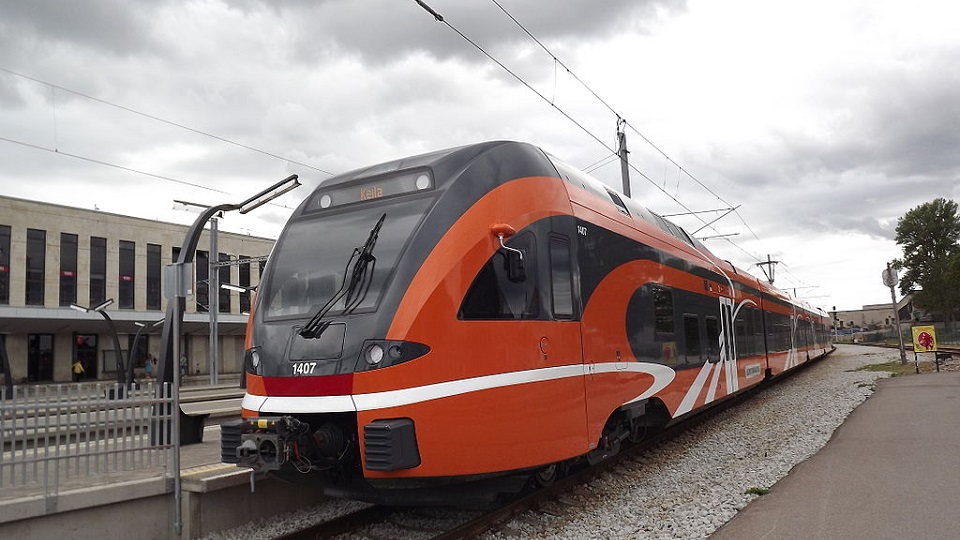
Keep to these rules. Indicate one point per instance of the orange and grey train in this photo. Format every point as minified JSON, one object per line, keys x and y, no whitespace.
{"x":485,"y":315}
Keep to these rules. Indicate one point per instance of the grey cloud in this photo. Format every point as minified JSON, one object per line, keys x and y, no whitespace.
{"x":113,"y":26}
{"x":379,"y":31}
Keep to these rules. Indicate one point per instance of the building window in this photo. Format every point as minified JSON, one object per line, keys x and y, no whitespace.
{"x":153,"y":276}
{"x":128,"y":258}
{"x":140,"y":354}
{"x":223,"y":276}
{"x":40,"y":357}
{"x":4,"y":264}
{"x":244,"y":282}
{"x":68,"y":269}
{"x":202,"y":289}
{"x":36,"y":266}
{"x":98,"y":270}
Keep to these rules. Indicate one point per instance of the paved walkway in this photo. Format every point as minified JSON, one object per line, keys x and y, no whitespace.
{"x":892,"y":470}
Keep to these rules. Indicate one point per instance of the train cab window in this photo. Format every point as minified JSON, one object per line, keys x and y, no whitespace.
{"x":561,"y":278}
{"x":691,"y":339}
{"x":493,"y":295}
{"x":713,"y":339}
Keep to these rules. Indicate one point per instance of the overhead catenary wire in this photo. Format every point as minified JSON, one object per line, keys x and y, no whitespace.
{"x":681,"y":171}
{"x":163,"y":120}
{"x":618,"y":115}
{"x":108,"y":164}
{"x":520,"y":79}
{"x":592,"y":135}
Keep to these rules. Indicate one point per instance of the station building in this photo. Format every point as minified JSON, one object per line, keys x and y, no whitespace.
{"x":877,"y":316}
{"x":52,"y":256}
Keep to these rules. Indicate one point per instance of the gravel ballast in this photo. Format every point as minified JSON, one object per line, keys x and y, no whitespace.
{"x":690,"y":486}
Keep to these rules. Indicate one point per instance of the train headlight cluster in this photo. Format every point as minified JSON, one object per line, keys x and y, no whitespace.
{"x":253,"y":362}
{"x":377,"y":353}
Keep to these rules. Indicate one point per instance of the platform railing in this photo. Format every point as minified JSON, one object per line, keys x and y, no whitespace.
{"x":55,"y":437}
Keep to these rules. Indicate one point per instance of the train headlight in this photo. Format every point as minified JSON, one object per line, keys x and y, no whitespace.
{"x":374,"y":354}
{"x":423,"y":182}
{"x":255,"y":359}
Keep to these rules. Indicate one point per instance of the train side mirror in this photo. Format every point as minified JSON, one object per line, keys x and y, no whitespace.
{"x":516,"y":271}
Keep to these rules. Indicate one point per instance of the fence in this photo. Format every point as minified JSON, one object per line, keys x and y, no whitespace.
{"x":948,"y":334}
{"x":81,"y":434}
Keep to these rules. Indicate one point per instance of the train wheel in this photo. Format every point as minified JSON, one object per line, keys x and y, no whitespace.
{"x":548,"y":475}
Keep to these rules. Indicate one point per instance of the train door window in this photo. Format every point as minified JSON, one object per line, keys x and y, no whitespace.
{"x":713,"y":339}
{"x":561,"y":278}
{"x":691,"y":339}
{"x":493,"y":295}
{"x":742,"y":334}
{"x":663,"y":311}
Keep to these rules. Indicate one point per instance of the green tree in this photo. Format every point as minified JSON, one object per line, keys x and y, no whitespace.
{"x":930,"y":236}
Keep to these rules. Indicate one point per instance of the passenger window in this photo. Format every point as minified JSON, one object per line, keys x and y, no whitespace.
{"x":492,"y":295}
{"x":561,"y":278}
{"x":691,"y":339}
{"x":713,"y":339}
{"x":663,"y":310}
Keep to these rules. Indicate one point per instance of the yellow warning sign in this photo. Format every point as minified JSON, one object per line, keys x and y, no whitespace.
{"x":924,"y":339}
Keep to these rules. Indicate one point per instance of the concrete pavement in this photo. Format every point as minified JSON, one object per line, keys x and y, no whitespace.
{"x":892,"y":470}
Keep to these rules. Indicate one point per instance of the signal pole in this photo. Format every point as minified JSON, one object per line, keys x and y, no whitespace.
{"x":622,"y":152}
{"x":890,"y":279}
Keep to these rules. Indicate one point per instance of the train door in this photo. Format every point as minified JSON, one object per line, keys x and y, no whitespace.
{"x":561,"y":344}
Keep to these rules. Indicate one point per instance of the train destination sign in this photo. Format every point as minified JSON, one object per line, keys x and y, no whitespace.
{"x":369,"y":190}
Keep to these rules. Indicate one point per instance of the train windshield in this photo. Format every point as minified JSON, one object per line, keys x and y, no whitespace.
{"x":309,"y":263}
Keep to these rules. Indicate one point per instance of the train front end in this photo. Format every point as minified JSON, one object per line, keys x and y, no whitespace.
{"x":348,"y":375}
{"x":316,"y":304}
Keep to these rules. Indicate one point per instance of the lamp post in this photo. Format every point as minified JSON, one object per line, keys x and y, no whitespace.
{"x":113,"y":331}
{"x":177,"y":285}
{"x":133,"y":348}
{"x":175,"y":307}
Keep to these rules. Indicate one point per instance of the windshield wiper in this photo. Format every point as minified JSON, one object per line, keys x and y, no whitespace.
{"x":354,"y":287}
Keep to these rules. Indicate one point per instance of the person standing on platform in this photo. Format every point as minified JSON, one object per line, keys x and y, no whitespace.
{"x":148,"y":366}
{"x":78,"y":370}
{"x":183,"y":364}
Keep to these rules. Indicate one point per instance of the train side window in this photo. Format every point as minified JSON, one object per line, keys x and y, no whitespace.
{"x":663,"y":310}
{"x":713,"y":339}
{"x":493,"y":295}
{"x":691,"y":339}
{"x":561,"y":278}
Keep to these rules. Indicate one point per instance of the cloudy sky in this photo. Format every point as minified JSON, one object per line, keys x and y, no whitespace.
{"x":822,"y":121}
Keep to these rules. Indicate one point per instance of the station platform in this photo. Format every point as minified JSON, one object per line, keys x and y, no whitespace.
{"x":891,"y":471}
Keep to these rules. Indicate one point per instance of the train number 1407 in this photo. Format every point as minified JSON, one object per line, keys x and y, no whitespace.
{"x":304,"y":368}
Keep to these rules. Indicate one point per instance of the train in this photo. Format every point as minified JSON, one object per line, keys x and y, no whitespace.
{"x":472,"y":320}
